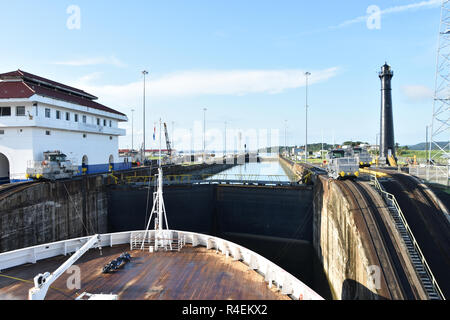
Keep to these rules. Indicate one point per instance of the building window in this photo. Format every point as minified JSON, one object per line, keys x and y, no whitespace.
{"x":5,"y":111}
{"x":84,"y":119}
{"x":20,"y":111}
{"x":58,"y":114}
{"x":98,"y":121}
{"x":104,"y":122}
{"x":47,"y":132}
{"x":110,"y":123}
{"x":67,"y":116}
{"x":47,"y":112}
{"x":110,"y":137}
{"x":76,"y":117}
{"x":2,"y":131}
{"x":84,"y":135}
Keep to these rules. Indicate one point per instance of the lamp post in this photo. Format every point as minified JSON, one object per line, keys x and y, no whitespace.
{"x":321,"y":149}
{"x":192,"y":146}
{"x":173,"y":138}
{"x":285,"y":138}
{"x":143,"y":146}
{"x":204,"y":134}
{"x":225,"y":143}
{"x":306,"y":107}
{"x":426,"y":139}
{"x":132,"y":129}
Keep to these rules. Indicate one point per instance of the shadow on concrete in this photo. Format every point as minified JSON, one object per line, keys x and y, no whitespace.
{"x":353,"y":290}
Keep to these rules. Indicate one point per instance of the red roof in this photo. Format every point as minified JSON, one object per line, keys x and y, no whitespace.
{"x":31,"y":85}
{"x":15,"y":90}
{"x":19,"y":74}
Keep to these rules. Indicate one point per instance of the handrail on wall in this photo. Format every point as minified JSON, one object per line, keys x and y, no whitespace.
{"x":390,"y":197}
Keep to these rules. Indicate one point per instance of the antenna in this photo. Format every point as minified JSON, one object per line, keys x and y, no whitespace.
{"x":440,"y":125}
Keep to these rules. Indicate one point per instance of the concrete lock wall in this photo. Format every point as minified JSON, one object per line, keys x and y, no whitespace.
{"x":46,"y":213}
{"x":340,"y":246}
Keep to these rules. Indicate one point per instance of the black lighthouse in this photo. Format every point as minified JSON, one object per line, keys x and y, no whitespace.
{"x":387,"y":144}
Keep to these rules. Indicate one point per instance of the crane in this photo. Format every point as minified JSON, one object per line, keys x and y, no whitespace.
{"x":169,"y":148}
{"x":42,"y":282}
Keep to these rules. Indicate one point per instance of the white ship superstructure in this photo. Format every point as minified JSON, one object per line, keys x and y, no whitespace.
{"x":39,"y":115}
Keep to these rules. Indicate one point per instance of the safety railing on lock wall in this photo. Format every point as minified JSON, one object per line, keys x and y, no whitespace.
{"x":390,"y":199}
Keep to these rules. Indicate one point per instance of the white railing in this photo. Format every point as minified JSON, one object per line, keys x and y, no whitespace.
{"x":437,"y":161}
{"x":431,"y":173}
{"x":248,"y":177}
{"x":390,"y":199}
{"x":347,"y":161}
{"x":272,"y":273}
{"x":33,"y":254}
{"x":37,"y":164}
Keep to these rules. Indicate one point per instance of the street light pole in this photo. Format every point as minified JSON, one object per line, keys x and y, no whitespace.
{"x":225,"y":144}
{"x":132,"y":129}
{"x":306,"y":107}
{"x":204,"y":134}
{"x":321,"y":149}
{"x":173,"y":138}
{"x":143,"y":151}
{"x":285,"y":137}
{"x":192,"y":145}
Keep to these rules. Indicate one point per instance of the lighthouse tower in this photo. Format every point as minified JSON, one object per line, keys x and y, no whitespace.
{"x":387,"y":144}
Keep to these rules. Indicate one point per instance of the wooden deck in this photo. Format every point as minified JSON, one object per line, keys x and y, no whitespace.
{"x":192,"y":274}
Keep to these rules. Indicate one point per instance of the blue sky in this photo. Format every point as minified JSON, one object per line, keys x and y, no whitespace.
{"x":242,"y":60}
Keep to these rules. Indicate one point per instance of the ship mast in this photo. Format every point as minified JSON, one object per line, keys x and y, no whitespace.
{"x":159,"y":210}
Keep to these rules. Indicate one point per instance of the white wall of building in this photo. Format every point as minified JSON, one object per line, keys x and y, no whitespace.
{"x":17,"y":145}
{"x":35,"y":117}
{"x":23,"y":139}
{"x":97,"y":147}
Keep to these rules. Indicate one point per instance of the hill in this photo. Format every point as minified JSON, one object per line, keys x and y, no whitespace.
{"x":422,"y":146}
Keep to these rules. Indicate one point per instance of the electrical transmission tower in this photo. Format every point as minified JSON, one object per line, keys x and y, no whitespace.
{"x":439,"y":147}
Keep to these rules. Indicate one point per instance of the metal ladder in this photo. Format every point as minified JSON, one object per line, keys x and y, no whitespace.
{"x":417,"y":258}
{"x":414,"y":256}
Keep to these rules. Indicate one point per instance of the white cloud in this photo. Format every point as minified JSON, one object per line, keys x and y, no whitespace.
{"x":89,"y":77}
{"x":396,"y":9}
{"x":417,"y":93}
{"x":195,"y":83}
{"x":92,"y":61}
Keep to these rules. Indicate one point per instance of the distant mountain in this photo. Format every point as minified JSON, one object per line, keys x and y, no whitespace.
{"x":423,"y":146}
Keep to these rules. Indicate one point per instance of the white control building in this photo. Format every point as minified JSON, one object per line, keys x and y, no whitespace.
{"x":39,"y":115}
